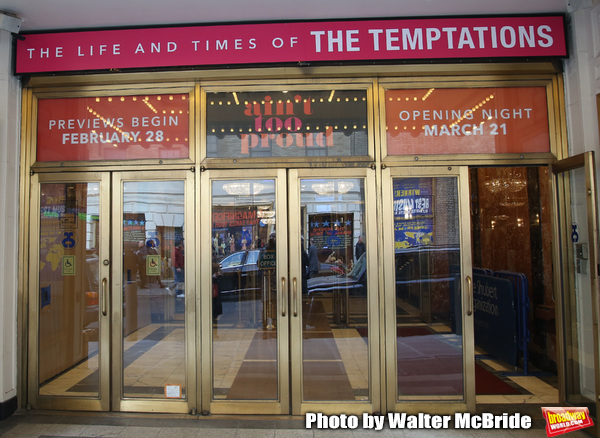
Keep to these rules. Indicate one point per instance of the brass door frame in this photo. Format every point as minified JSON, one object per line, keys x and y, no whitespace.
{"x":53,"y":86}
{"x":119,"y":403}
{"x":287,"y":200}
{"x":432,"y":404}
{"x":563,"y":260}
{"x":110,"y":269}
{"x":374,"y":261}
{"x":102,"y":402}
{"x":204,"y":280}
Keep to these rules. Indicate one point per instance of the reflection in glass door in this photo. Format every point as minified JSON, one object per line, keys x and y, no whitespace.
{"x":138,"y":292}
{"x":427,"y":329}
{"x":247,"y":281}
{"x":575,"y":182}
{"x":69,"y":342}
{"x":291,"y":341}
{"x":153,"y":247}
{"x":334,"y":331}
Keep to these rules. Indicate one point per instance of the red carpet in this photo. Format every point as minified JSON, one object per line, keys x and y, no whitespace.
{"x":487,"y":383}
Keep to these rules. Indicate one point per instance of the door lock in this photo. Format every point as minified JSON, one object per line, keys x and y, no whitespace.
{"x":106,"y":262}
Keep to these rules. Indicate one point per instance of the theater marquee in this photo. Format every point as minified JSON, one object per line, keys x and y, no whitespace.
{"x":295,"y":42}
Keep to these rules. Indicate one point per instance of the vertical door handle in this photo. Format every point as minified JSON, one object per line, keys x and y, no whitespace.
{"x":469,"y":296}
{"x":295,"y":298}
{"x":103,"y":296}
{"x":283,"y":296}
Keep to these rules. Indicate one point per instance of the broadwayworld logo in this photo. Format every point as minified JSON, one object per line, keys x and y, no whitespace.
{"x":563,"y":420}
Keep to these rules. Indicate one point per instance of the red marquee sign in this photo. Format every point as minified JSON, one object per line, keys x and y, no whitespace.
{"x":298,"y":42}
{"x":467,"y":121}
{"x":113,"y":128}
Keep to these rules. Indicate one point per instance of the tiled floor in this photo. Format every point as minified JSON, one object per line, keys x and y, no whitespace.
{"x":152,"y":360}
{"x":42,"y":424}
{"x":29,"y":424}
{"x":536,"y":390}
{"x":152,"y":364}
{"x":354,"y":353}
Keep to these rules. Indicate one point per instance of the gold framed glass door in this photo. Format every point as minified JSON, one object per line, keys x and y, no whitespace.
{"x":100,"y":276}
{"x":245,"y":304}
{"x":429,"y":291}
{"x":69,"y":303}
{"x":334,"y":319}
{"x":577,"y":277}
{"x":153,"y":289}
{"x":282,"y":342}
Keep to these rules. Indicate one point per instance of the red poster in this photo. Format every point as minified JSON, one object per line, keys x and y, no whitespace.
{"x":113,"y":128}
{"x":297,"y":42}
{"x":467,"y":121}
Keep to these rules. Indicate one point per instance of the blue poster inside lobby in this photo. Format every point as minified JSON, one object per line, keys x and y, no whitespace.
{"x":413,"y":212}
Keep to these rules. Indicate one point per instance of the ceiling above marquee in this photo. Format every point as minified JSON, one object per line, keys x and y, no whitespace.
{"x":38,"y":15}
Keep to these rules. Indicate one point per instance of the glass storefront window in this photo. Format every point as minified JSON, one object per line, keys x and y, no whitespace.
{"x":302,"y":123}
{"x":113,"y":128}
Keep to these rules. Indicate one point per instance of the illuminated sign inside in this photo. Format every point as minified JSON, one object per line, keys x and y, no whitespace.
{"x":290,"y":123}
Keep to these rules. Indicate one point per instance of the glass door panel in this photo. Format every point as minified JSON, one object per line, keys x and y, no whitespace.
{"x":70,"y":309}
{"x":310,"y":330}
{"x":154,"y":304}
{"x":154,"y":248}
{"x":334,"y":311}
{"x":428,"y":330}
{"x":84,"y":295}
{"x":248,"y":277}
{"x":581,"y":384}
{"x":575,"y":182}
{"x":333,"y":291}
